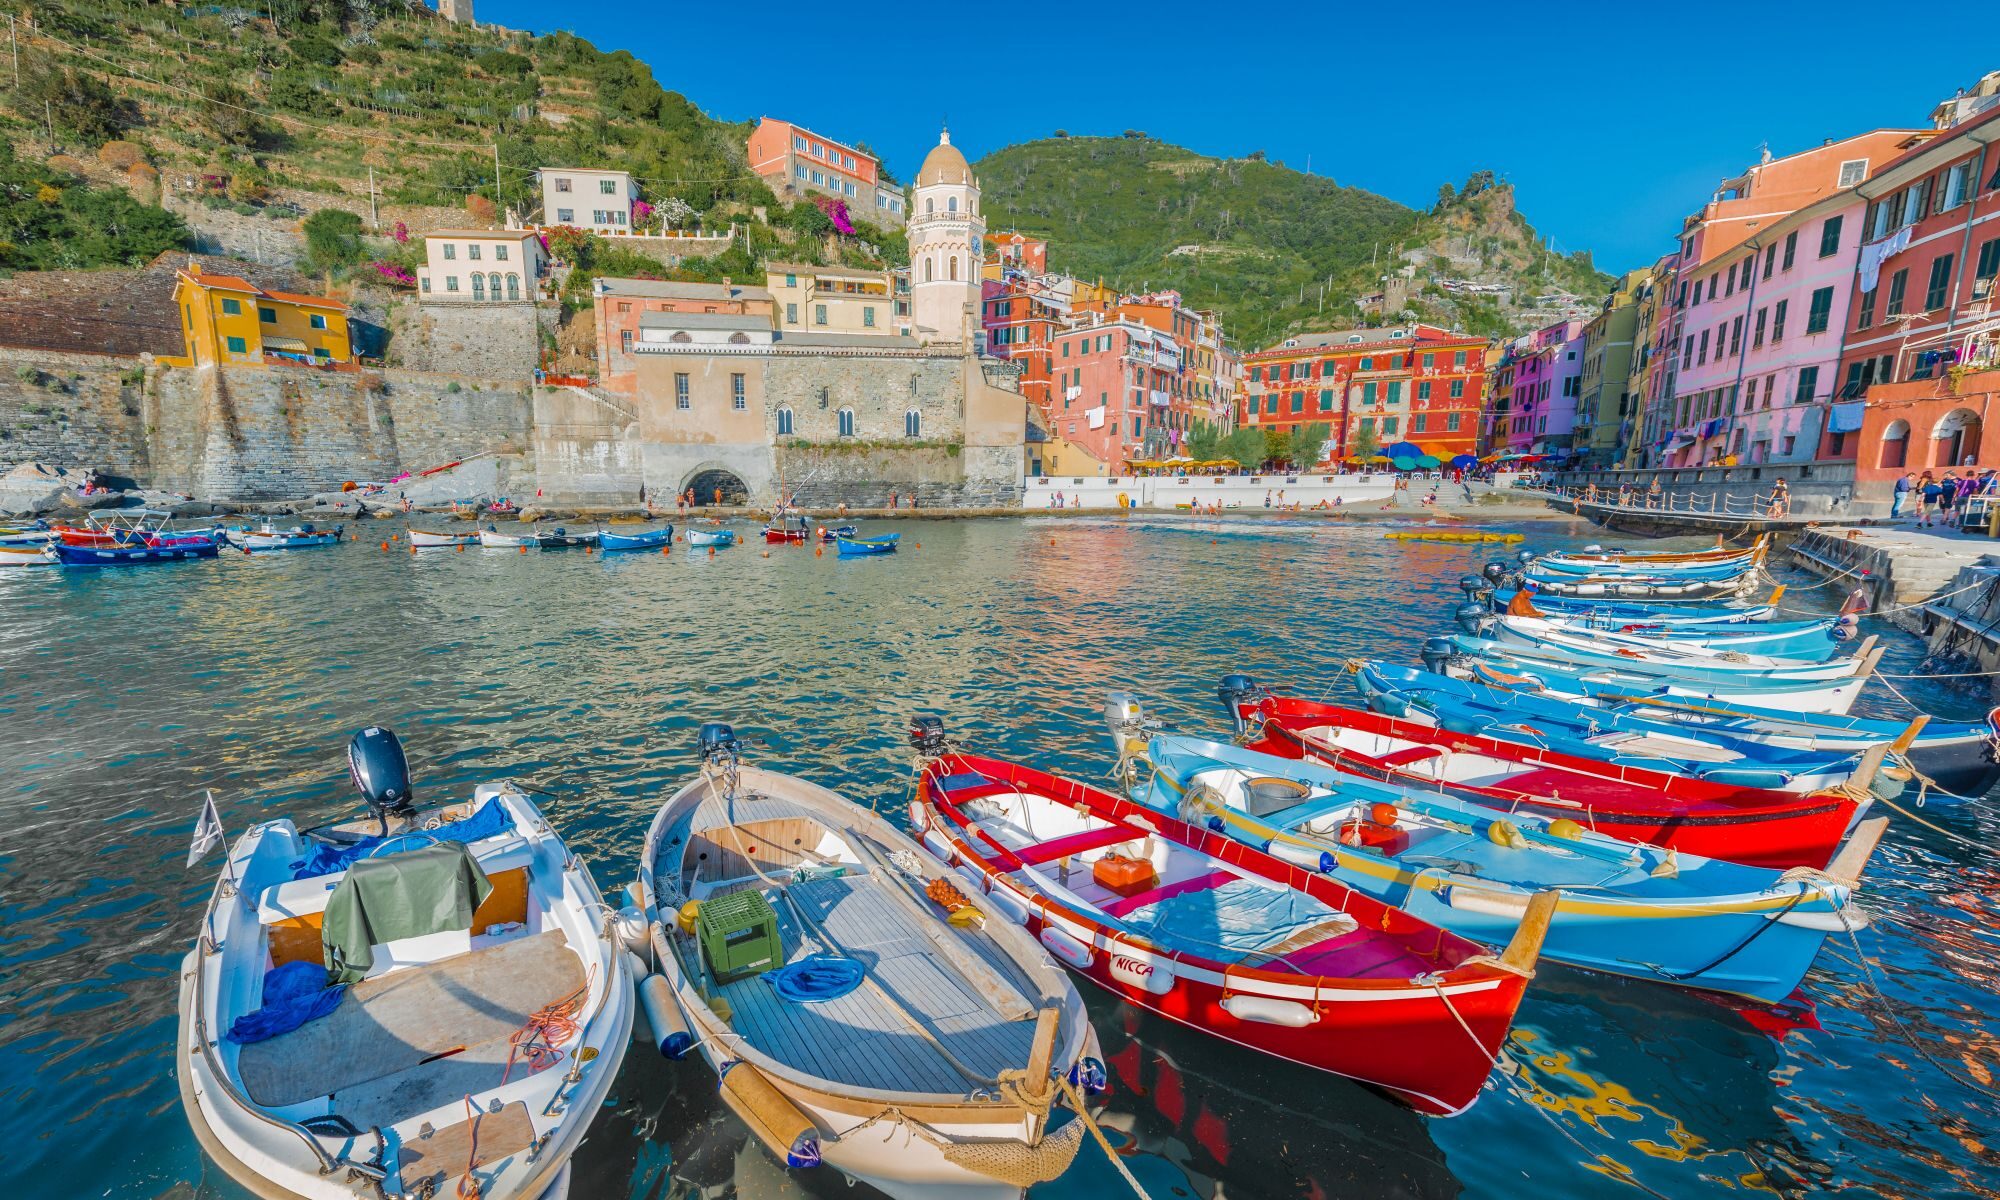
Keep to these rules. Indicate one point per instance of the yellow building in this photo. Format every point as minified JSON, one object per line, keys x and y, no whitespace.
{"x":229,"y":321}
{"x":851,"y":300}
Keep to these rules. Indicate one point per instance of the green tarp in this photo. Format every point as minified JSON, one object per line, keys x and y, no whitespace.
{"x":406,"y":895}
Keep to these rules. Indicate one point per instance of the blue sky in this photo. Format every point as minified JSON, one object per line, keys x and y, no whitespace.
{"x":1610,"y":122}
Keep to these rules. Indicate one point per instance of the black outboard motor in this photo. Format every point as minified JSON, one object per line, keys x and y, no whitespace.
{"x":716,"y":740}
{"x":1494,"y":571}
{"x":381,"y":773}
{"x":1435,"y":653}
{"x":1235,"y":691}
{"x":1472,"y":617}
{"x":927,"y":735}
{"x":1524,"y":556}
{"x":1472,"y":585}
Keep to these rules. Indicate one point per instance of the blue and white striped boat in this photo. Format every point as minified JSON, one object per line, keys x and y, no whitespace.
{"x":1630,"y":910}
{"x":269,"y":537}
{"x":711,"y":537}
{"x":651,"y":539}
{"x":1800,"y":641}
{"x":1567,"y":676}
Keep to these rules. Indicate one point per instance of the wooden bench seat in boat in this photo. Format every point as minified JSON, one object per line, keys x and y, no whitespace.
{"x":858,"y":1038}
{"x":1075,"y":843}
{"x":409,"y":1041}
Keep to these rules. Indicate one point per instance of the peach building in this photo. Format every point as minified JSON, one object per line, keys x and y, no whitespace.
{"x":797,"y":162}
{"x":622,"y":304}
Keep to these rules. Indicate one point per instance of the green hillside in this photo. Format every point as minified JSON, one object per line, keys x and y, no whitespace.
{"x":1274,"y":249}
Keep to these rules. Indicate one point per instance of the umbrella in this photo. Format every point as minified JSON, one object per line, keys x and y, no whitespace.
{"x":1403,"y":462}
{"x":1437,"y":450}
{"x":1428,"y":461}
{"x":1379,"y":458}
{"x":1403,"y":450}
{"x":1464,"y":460}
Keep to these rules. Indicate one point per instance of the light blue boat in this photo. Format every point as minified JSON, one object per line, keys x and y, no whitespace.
{"x":851,"y":547}
{"x":1613,"y":738}
{"x":651,"y":539}
{"x":1625,"y":909}
{"x":1612,"y":613}
{"x":711,"y":537}
{"x":1805,"y":641}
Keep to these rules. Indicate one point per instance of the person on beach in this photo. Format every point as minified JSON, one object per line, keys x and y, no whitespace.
{"x":1903,"y":483}
{"x":1927,"y":496}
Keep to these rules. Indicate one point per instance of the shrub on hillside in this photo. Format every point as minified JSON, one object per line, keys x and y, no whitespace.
{"x":333,"y":238}
{"x":480,"y":209}
{"x":64,"y":164}
{"x":81,"y":105}
{"x":73,"y":225}
{"x":121,"y":156}
{"x":501,"y":62}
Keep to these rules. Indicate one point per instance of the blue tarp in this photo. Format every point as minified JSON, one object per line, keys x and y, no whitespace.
{"x":293,"y":994}
{"x":1240,"y":916}
{"x":491,"y":819}
{"x":1845,"y":418}
{"x":815,"y":978}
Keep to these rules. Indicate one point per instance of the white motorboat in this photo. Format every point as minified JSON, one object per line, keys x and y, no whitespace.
{"x":421,"y":539}
{"x":465,"y":1052}
{"x":493,"y":539}
{"x":860,"y":1008}
{"x":269,"y":537}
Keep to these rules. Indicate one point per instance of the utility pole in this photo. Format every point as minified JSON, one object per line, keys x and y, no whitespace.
{"x":496,"y":174}
{"x":14,"y":40}
{"x":374,"y":217}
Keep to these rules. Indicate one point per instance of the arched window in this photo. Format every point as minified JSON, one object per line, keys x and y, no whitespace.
{"x":784,"y":421}
{"x":680,"y":335}
{"x":478,"y":286}
{"x":494,"y":280}
{"x":951,"y":204}
{"x":513,"y":287}
{"x":930,"y":204}
{"x":913,"y":424}
{"x":739,"y":339}
{"x":928,"y":271}
{"x":846,"y":422}
{"x":1896,"y":444}
{"x":954,"y":268}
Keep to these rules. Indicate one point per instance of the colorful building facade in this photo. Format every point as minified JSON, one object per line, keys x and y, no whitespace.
{"x":1607,"y":405}
{"x":622,"y":304}
{"x":587,"y":198}
{"x":1416,"y":383}
{"x":850,"y":300}
{"x":795,"y":161}
{"x":481,"y":266}
{"x":228,"y":321}
{"x":1536,"y":385}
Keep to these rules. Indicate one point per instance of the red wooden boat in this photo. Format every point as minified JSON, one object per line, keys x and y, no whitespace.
{"x":1225,"y":938}
{"x":1753,"y":826}
{"x":788,"y":527}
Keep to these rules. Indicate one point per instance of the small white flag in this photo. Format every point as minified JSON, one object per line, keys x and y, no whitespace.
{"x":207,"y":831}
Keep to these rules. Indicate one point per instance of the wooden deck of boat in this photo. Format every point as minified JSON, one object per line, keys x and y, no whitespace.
{"x":860,"y":1039}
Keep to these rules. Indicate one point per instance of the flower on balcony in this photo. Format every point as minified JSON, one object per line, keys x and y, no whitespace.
{"x":642,"y":212}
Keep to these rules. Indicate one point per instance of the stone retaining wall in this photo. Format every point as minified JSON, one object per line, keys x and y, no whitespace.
{"x":1816,"y":488}
{"x":72,"y":410}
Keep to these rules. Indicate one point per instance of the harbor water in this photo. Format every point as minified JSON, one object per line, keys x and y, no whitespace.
{"x":127,"y":692}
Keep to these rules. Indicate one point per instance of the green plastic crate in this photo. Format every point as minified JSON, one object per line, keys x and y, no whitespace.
{"x":739,"y":935}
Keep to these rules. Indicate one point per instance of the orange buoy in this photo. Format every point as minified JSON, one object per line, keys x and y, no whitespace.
{"x":587,"y":548}
{"x":767,"y":553}
{"x":916,"y":545}
{"x":666,"y":549}
{"x":711,"y":552}
{"x":524,"y":549}
{"x":1382,"y":814}
{"x":461,"y":547}
{"x":819,"y":551}
{"x":385,"y":546}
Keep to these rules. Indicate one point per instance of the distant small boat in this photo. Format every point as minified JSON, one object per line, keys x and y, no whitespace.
{"x":26,"y":535}
{"x":134,"y":543}
{"x":789,"y":526}
{"x":651,"y":539}
{"x":852,"y":547}
{"x":563,"y":539}
{"x":24,"y":556}
{"x":711,"y":537}
{"x":270,"y":537}
{"x":422,"y":539}
{"x":833,"y":533}
{"x":491,"y":538}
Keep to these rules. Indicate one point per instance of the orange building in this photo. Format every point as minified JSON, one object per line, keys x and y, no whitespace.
{"x":620,"y":303}
{"x":1413,"y":383}
{"x":1017,"y":251}
{"x":795,"y":161}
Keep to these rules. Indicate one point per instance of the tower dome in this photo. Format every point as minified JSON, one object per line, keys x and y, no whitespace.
{"x":944,"y":164}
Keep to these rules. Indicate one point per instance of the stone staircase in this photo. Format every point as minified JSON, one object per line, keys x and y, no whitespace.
{"x":600,"y":397}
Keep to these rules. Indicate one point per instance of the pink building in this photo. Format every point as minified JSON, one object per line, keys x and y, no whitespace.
{"x":1113,"y":392}
{"x":1535,"y":389}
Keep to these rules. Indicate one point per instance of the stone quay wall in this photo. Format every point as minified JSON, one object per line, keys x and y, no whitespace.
{"x":81,"y":410}
{"x":1817,"y":489}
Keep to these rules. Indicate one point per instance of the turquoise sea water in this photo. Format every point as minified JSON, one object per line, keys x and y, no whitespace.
{"x":125,"y":693}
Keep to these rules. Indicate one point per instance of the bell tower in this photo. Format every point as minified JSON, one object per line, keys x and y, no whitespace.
{"x":947,"y":235}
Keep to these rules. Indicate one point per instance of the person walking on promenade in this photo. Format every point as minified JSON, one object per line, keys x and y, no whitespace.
{"x":1781,"y":499}
{"x":1653,"y":493}
{"x":1927,"y":496}
{"x":1947,"y":497}
{"x":1903,"y":484}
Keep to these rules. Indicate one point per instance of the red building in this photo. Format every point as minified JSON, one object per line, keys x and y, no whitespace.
{"x":1112,"y":391}
{"x":1923,"y":300}
{"x":1020,"y":319}
{"x":1413,"y":383}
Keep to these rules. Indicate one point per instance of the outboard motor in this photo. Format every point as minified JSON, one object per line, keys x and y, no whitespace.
{"x":1524,"y":556}
{"x":1435,"y":653}
{"x":1125,"y":718}
{"x":381,"y":773}
{"x":927,"y":736}
{"x":1494,"y":571}
{"x":1235,"y":691}
{"x":1471,"y":585}
{"x":1471,"y":617}
{"x":717,"y":744}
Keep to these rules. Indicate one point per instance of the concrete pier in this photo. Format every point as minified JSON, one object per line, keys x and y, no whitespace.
{"x":1903,"y":569}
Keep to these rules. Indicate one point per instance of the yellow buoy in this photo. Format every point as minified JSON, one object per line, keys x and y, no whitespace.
{"x":1505,"y":833}
{"x":1566,"y":829}
{"x":685,"y":918}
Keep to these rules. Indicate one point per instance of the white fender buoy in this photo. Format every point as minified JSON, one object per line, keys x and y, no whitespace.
{"x":1301,"y":856}
{"x":670,"y":1030}
{"x":1510,"y":905}
{"x":938,"y":846}
{"x":634,"y":896}
{"x":1144,"y":971}
{"x":1012,"y":906}
{"x":1061,"y":944}
{"x":970,"y":874}
{"x":1269,"y":1010}
{"x":633,"y":932}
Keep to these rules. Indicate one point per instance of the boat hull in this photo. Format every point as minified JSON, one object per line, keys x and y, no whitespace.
{"x":711,"y":537}
{"x":131,"y":556}
{"x":432,"y":541}
{"x":652,"y":539}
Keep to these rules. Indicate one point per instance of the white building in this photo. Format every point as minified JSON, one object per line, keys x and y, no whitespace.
{"x":485,"y":266}
{"x":947,"y":239}
{"x":599,"y":201}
